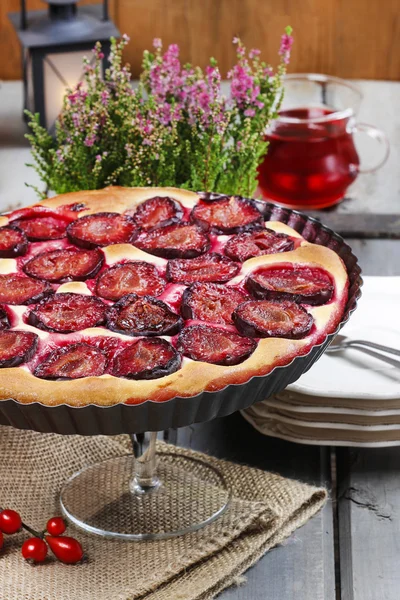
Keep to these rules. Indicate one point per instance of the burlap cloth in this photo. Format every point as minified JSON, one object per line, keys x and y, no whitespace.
{"x":265,"y":509}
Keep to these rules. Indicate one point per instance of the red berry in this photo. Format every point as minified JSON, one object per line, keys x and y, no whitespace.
{"x":10,"y":521}
{"x":67,"y":549}
{"x":1,"y":540}
{"x":34,"y":550}
{"x":56,"y":526}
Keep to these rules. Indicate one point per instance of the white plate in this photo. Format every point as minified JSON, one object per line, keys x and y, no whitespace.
{"x":353,"y":373}
{"x":324,"y":437}
{"x":285,"y":402}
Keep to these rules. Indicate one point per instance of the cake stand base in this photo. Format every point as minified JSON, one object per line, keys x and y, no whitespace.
{"x":145,"y":496}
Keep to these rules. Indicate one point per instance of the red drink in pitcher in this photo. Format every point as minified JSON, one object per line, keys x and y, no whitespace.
{"x":308,"y":165}
{"x":312,"y":158}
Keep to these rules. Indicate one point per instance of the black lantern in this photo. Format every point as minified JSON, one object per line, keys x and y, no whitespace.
{"x":54,"y":42}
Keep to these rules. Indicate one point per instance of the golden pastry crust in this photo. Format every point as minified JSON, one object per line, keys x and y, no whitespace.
{"x":193,"y":377}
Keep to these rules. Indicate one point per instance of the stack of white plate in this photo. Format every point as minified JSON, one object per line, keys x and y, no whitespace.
{"x":350,"y":398}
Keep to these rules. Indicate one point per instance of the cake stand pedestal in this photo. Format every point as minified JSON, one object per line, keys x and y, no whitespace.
{"x":146,"y":495}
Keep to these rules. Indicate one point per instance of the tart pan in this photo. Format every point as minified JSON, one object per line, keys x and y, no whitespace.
{"x":180,"y":412}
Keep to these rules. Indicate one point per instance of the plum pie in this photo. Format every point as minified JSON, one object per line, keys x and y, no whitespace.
{"x":124,"y":295}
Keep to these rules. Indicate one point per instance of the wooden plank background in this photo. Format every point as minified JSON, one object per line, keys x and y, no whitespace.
{"x":347,"y":38}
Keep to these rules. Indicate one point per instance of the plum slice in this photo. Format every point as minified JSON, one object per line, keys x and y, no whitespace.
{"x":308,"y":285}
{"x":211,"y":302}
{"x":18,"y":289}
{"x":261,"y":318}
{"x":227,"y":215}
{"x":175,"y":241}
{"x":68,"y":312}
{"x":13,"y":242}
{"x":16,"y":347}
{"x":65,"y":265}
{"x":246,"y":245}
{"x":72,"y":362}
{"x":209,"y":267}
{"x":4,"y":319}
{"x":102,"y":229}
{"x":156,"y":212}
{"x":143,"y":315}
{"x":213,"y":345}
{"x":137,"y":277}
{"x":146,"y":359}
{"x":38,"y":229}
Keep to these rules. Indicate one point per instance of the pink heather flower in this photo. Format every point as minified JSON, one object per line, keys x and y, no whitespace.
{"x":157,"y":43}
{"x":204,"y":100}
{"x":89,"y":140}
{"x":242,"y":85}
{"x":173,"y":50}
{"x":72,"y":98}
{"x":77,"y":95}
{"x":286,"y":46}
{"x":249,"y":112}
{"x":97,"y":52}
{"x":253,"y":53}
{"x":236,"y":40}
{"x":98,"y":157}
{"x":60,"y":156}
{"x":76,"y":120}
{"x":164,"y":114}
{"x":268,"y":72}
{"x":126,"y":37}
{"x":104,"y":97}
{"x":148,"y":128}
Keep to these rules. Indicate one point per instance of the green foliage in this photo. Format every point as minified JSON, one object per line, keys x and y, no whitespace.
{"x":174,"y":129}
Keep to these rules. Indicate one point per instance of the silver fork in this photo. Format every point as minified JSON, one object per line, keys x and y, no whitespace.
{"x":341,"y":342}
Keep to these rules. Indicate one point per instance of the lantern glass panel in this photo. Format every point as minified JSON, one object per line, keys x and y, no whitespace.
{"x":61,"y":71}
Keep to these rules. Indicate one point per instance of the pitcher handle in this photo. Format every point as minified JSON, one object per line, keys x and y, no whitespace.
{"x":377,"y":135}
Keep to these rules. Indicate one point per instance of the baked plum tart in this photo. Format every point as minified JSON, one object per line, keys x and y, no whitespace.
{"x":124,"y":295}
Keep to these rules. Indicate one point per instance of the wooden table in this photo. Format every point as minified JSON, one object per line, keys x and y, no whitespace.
{"x":351,"y":549}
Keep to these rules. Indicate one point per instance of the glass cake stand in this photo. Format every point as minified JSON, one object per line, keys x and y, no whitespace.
{"x":146,"y":495}
{"x":153,"y":495}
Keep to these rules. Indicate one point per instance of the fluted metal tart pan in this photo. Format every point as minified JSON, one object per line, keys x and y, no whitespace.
{"x":178,"y":412}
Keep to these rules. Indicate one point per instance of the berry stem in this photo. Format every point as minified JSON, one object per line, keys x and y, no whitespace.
{"x":30,"y":530}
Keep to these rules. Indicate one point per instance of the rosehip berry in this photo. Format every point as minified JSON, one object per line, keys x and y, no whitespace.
{"x":10,"y":521}
{"x":67,"y":549}
{"x":1,"y":540}
{"x":56,"y":526}
{"x":34,"y":550}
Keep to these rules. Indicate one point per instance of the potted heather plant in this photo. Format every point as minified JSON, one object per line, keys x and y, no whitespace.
{"x":176,"y":128}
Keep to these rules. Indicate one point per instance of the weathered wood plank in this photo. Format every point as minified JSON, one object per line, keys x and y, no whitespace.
{"x":369,"y":486}
{"x":361,"y":225}
{"x":324,"y":32}
{"x":377,"y":257}
{"x":303,"y":567}
{"x":369,"y":523}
